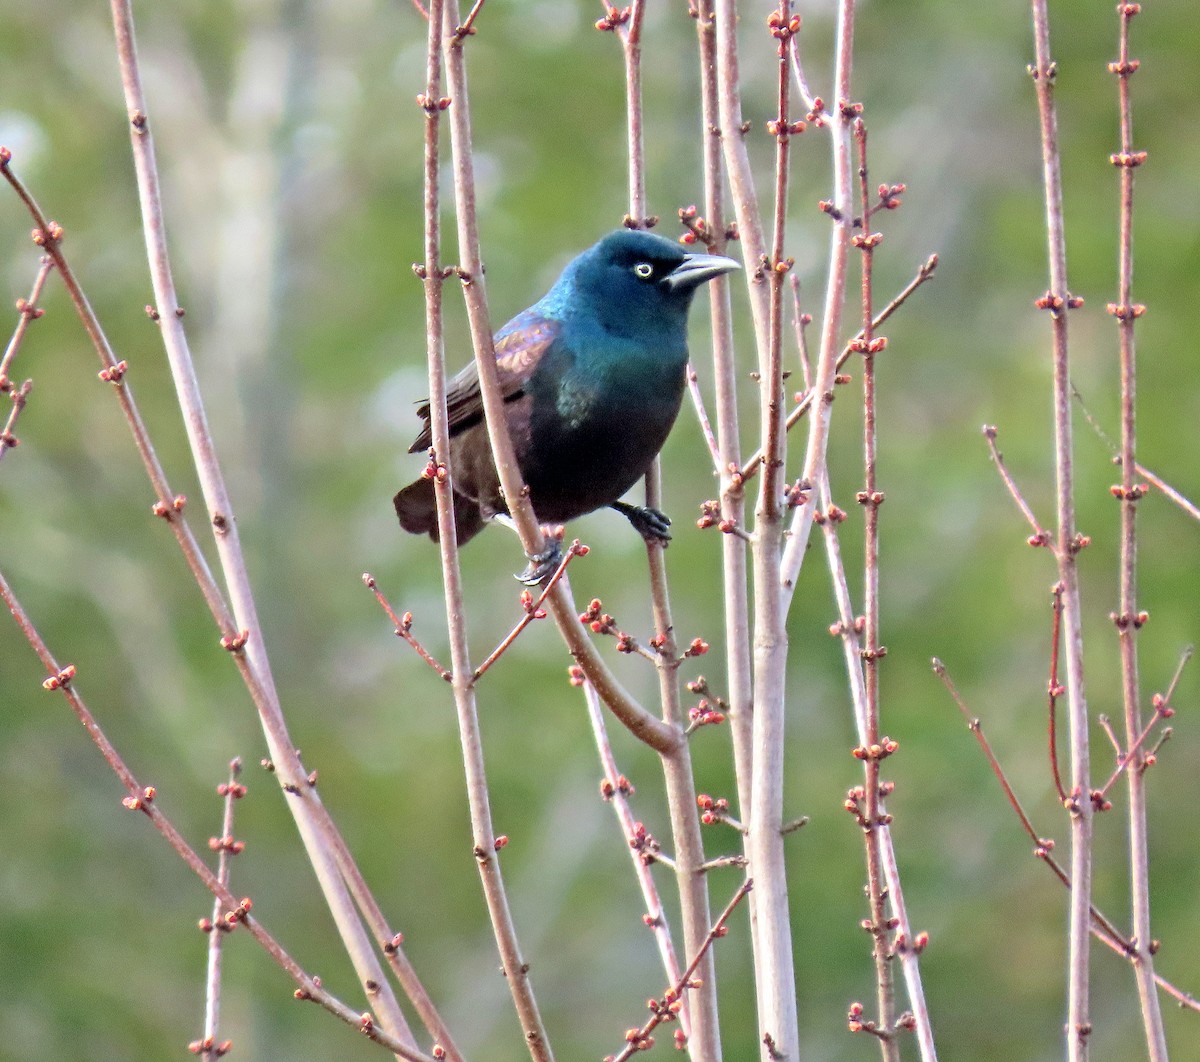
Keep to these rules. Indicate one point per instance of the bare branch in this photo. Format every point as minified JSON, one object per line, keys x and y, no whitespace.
{"x":1057,"y":301}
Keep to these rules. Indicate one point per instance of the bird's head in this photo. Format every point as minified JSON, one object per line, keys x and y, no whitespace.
{"x":632,"y":280}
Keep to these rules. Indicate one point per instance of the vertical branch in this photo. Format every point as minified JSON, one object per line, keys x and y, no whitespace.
{"x":226,"y":848}
{"x":737,"y":164}
{"x":705,"y":1042}
{"x":1128,"y":619}
{"x":630,"y":32}
{"x":835,"y":295}
{"x":777,"y":1012}
{"x":1057,"y":301}
{"x":443,"y":26}
{"x":872,"y":751}
{"x":907,"y":944}
{"x":733,"y":503}
{"x":705,"y":1036}
{"x":332,"y":863}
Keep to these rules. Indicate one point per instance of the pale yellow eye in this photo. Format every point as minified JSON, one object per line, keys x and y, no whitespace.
{"x":644,"y":270}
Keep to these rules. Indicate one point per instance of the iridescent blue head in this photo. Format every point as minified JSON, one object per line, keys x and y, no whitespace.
{"x":632,"y":281}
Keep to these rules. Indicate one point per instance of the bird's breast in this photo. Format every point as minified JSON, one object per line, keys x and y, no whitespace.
{"x":595,"y":426}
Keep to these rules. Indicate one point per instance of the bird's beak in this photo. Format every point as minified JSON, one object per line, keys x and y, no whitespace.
{"x":695,"y":269}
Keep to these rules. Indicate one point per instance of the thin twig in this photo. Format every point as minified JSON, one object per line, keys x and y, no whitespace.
{"x":533,"y":607}
{"x":667,"y":1008}
{"x":1102,"y":928}
{"x":226,"y":847}
{"x":1160,"y":484}
{"x":1133,"y":755}
{"x":27,"y":309}
{"x":1143,"y":472}
{"x":468,"y":23}
{"x":402,"y":625}
{"x":800,"y":323}
{"x":805,"y":400}
{"x":1163,"y":709}
{"x":1040,"y":536}
{"x":706,"y":429}
{"x":1054,"y":689}
{"x":1057,"y":301}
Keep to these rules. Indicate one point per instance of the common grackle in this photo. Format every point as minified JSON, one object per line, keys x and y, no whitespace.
{"x":592,"y":377}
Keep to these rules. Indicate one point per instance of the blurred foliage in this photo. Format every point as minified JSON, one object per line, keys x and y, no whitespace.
{"x":290,"y":146}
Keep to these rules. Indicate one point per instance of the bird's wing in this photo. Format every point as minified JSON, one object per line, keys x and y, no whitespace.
{"x":520,"y":345}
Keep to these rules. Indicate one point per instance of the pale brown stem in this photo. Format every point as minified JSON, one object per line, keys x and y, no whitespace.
{"x":871,"y":498}
{"x":835,"y":295}
{"x":1040,"y":536}
{"x":27,"y":310}
{"x":1057,"y":301}
{"x":775,"y":970}
{"x":443,"y":19}
{"x":1128,"y":625}
{"x":907,"y":946}
{"x":739,"y":675}
{"x":212,"y":980}
{"x":630,"y":33}
{"x":705,"y":1041}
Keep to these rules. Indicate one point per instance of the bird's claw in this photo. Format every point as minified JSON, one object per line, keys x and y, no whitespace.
{"x":651,"y":524}
{"x":541,"y":565}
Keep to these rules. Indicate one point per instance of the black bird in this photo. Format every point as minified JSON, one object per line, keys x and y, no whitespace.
{"x":592,"y":377}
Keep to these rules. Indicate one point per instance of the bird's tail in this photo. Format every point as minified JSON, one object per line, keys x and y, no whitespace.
{"x":417,"y":509}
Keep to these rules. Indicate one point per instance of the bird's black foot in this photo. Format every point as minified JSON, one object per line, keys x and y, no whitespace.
{"x":541,"y":565}
{"x":652,"y":525}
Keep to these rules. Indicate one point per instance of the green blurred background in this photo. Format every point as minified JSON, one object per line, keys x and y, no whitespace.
{"x":290,"y":153}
